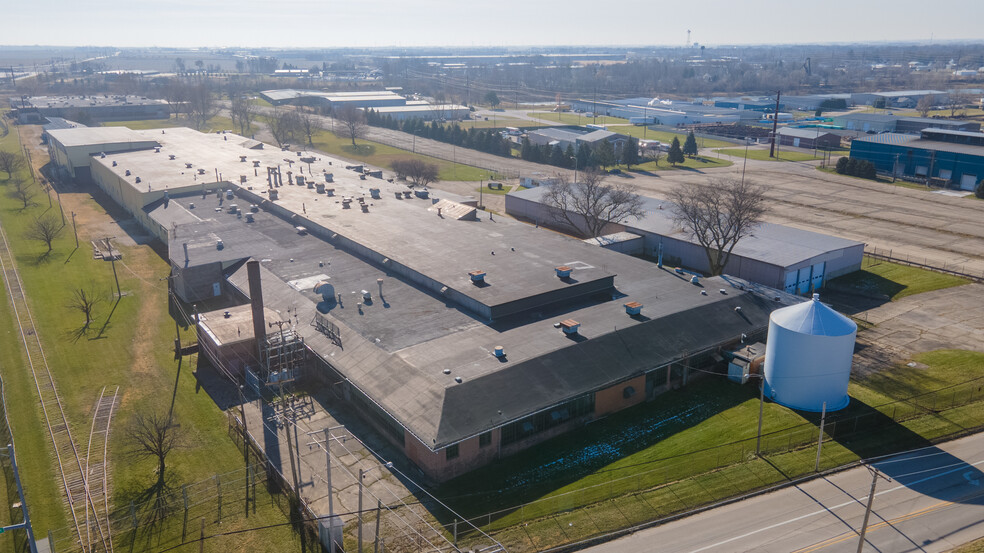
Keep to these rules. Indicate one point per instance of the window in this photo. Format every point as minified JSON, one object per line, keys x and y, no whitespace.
{"x":545,"y":420}
{"x":451,"y":452}
{"x":485,"y":439}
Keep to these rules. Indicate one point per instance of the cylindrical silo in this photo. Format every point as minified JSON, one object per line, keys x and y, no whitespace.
{"x":808,"y":356}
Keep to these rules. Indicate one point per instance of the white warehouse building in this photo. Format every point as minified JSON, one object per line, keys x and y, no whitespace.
{"x":794,"y":260}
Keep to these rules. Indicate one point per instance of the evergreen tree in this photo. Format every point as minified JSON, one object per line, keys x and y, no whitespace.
{"x":605,"y":154}
{"x":568,"y":154}
{"x":675,"y":155}
{"x":841,"y":165}
{"x":690,"y":146}
{"x":583,"y":156}
{"x":526,"y":150}
{"x":557,"y":157}
{"x":630,"y":152}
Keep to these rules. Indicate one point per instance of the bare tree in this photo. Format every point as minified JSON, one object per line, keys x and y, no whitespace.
{"x":353,"y":122}
{"x":955,"y":102}
{"x":153,"y":435}
{"x":309,"y":124}
{"x":243,"y":112}
{"x":10,"y":162}
{"x":589,"y":204}
{"x":23,"y":193}
{"x":283,"y":124}
{"x":176,"y":94}
{"x":44,"y":229}
{"x":654,"y":155}
{"x":202,"y":104}
{"x":420,"y":172}
{"x":718,"y":215}
{"x":84,"y":300}
{"x":924,"y":105}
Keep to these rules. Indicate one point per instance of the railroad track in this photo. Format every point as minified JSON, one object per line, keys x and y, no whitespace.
{"x":96,"y":471}
{"x":71,"y":472}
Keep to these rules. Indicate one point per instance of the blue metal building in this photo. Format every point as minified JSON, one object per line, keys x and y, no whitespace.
{"x":954,"y":158}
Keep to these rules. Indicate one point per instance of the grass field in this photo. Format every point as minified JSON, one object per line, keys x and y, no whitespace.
{"x":649,"y":449}
{"x":494,"y":123}
{"x":641,"y":132}
{"x":568,"y":118}
{"x":689,"y":164}
{"x":217,"y":123}
{"x":129,"y":344}
{"x":763,"y":155}
{"x":894,"y":280}
{"x":382,"y":155}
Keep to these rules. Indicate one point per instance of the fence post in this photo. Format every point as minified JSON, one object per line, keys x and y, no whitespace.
{"x":218,"y":488}
{"x":456,"y":532}
{"x":184,"y":524}
{"x":51,"y":543}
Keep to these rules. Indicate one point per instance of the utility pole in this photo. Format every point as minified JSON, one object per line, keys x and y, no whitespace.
{"x":775,"y":126}
{"x":74,"y":228}
{"x":875,"y":475}
{"x":823,"y":419}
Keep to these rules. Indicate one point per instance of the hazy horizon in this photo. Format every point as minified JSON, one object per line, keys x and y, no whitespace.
{"x":482,"y":23}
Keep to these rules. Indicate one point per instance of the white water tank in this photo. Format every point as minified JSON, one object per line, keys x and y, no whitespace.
{"x":808,"y":356}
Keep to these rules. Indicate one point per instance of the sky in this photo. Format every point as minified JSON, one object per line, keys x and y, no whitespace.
{"x":369,"y":23}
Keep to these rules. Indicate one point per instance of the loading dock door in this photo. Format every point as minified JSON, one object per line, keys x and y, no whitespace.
{"x":790,"y":286}
{"x":796,"y":142}
{"x":968,"y":182}
{"x":945,"y":174}
{"x":816,"y":281}
{"x":803,"y":284}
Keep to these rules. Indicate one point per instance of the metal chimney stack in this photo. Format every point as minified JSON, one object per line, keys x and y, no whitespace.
{"x":256,"y":297}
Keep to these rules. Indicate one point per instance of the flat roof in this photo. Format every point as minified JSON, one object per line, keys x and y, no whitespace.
{"x":95,"y":136}
{"x":915,"y":141}
{"x":396,"y":348}
{"x":232,"y":325}
{"x":770,"y":243}
{"x":803,"y":133}
{"x":42,"y":102}
{"x":418,"y":107}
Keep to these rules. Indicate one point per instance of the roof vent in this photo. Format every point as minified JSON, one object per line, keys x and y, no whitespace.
{"x":114,"y":163}
{"x":570,"y":326}
{"x":446,"y":371}
{"x":563,"y":271}
{"x":242,"y":159}
{"x":723,"y":291}
{"x":219,"y":245}
{"x":127,"y":173}
{"x":137,"y":180}
{"x":256,"y":163}
{"x":170,"y":156}
{"x":695,"y":280}
{"x":157,"y":150}
{"x":102,"y":154}
{"x":201,"y":171}
{"x":633,"y":308}
{"x":374,"y":192}
{"x":187,"y":166}
{"x":499,"y":352}
{"x":227,"y":314}
{"x":477,"y":276}
{"x":738,"y":309}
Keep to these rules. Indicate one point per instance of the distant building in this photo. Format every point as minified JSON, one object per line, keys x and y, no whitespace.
{"x":665,"y":112}
{"x":883,"y":122}
{"x":897,"y":98}
{"x":949,"y":158}
{"x":574,"y":136}
{"x":424,"y":111}
{"x":101,"y":107}
{"x":808,"y":138}
{"x":329,"y":100}
{"x":763,"y":104}
{"x":794,"y":260}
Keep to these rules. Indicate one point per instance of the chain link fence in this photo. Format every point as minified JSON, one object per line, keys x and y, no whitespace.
{"x":955,"y":269}
{"x":10,"y":514}
{"x":611,"y":500}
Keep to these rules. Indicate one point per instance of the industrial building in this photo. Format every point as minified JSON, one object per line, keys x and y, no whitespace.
{"x":665,"y":112}
{"x":762,"y":104}
{"x":461,"y":339}
{"x":882,"y":122}
{"x":897,"y":98}
{"x":332,"y":100}
{"x":815,"y":138}
{"x":574,"y":137}
{"x":425,"y":111}
{"x":953,"y":159}
{"x":793,"y":260}
{"x":100,"y":107}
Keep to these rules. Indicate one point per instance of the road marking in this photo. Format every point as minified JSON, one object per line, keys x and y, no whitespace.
{"x":849,"y":535}
{"x":968,"y":476}
{"x":831,"y":509}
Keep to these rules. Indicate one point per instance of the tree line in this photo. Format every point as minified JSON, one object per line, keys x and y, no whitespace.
{"x":489,"y":141}
{"x":605,"y":154}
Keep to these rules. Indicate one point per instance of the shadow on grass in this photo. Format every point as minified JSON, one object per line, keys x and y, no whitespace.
{"x":360,"y":149}
{"x":867,"y":284}
{"x":870,"y":433}
{"x":109,"y":317}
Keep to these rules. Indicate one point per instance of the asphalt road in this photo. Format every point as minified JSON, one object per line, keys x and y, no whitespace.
{"x":934,"y":502}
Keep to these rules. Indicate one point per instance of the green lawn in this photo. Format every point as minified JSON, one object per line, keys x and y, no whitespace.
{"x":382,"y":155}
{"x":976,"y":546}
{"x":568,"y":118}
{"x":494,"y":123}
{"x":663,"y":457}
{"x":129,"y":344}
{"x":894,"y":280}
{"x":689,"y":164}
{"x":763,"y":155}
{"x":217,"y":123}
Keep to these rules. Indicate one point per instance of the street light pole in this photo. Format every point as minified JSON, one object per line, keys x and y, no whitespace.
{"x":575,"y":168}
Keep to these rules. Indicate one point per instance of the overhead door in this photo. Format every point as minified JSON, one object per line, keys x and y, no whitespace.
{"x":803,"y":283}
{"x":796,"y":142}
{"x":816,"y":281}
{"x":968,"y":182}
{"x":945,"y":174}
{"x":790,"y":286}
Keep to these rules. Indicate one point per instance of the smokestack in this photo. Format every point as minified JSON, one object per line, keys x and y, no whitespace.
{"x":256,"y":297}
